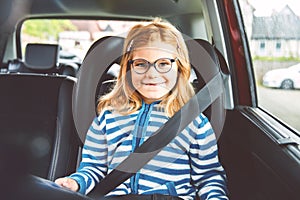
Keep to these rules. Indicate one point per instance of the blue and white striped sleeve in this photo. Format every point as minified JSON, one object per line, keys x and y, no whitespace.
{"x":93,"y":165}
{"x":208,"y":174}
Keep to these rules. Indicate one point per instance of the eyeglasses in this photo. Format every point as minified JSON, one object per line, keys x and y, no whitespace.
{"x":141,"y":66}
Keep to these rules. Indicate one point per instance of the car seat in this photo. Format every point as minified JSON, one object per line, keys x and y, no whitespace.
{"x":36,"y":112}
{"x":107,"y":51}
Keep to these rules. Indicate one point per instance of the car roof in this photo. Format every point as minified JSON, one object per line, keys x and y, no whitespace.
{"x":111,"y":8}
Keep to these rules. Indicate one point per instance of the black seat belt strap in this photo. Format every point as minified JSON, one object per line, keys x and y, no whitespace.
{"x":153,"y":145}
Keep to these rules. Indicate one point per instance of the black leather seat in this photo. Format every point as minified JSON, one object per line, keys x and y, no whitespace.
{"x":37,"y":130}
{"x":36,"y":112}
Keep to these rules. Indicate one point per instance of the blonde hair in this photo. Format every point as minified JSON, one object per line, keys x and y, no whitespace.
{"x":124,"y":98}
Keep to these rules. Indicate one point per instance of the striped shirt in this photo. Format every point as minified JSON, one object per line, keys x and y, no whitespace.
{"x":187,"y":167}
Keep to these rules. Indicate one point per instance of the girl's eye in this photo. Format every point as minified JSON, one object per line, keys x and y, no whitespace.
{"x":140,"y":64}
{"x":163,"y":63}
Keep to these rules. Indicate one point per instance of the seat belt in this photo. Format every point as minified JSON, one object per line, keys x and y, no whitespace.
{"x":163,"y":136}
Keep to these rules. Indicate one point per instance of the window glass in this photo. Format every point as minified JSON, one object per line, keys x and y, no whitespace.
{"x":273,"y":30}
{"x":73,"y":36}
{"x":262,"y":45}
{"x":278,"y":46}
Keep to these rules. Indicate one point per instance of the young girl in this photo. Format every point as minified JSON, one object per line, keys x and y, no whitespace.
{"x":153,"y":84}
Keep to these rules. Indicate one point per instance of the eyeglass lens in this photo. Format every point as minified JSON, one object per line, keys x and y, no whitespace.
{"x":162,"y":65}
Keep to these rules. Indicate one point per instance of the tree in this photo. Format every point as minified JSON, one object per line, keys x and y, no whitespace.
{"x":47,"y":28}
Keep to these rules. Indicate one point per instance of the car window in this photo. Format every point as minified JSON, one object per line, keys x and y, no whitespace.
{"x":74,"y":36}
{"x":273,"y":31}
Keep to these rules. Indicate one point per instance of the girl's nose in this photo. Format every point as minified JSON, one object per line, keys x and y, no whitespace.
{"x":152,"y":72}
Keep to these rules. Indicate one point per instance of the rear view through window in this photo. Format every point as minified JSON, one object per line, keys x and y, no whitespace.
{"x":273,"y":31}
{"x":73,"y":36}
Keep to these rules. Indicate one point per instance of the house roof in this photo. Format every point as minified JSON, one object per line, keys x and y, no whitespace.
{"x":280,"y":25}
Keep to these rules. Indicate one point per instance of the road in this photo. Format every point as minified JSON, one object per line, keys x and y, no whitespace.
{"x":282,"y":103}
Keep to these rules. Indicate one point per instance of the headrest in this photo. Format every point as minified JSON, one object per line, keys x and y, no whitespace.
{"x":41,"y":57}
{"x":111,"y":45}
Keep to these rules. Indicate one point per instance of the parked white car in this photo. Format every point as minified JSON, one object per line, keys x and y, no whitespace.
{"x":284,"y":78}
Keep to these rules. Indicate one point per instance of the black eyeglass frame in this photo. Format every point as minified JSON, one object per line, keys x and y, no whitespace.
{"x":172,"y":60}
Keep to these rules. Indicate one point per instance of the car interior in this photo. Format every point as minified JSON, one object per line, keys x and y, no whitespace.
{"x":47,"y":106}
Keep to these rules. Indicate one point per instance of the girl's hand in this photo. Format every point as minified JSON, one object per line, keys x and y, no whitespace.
{"x":69,"y":183}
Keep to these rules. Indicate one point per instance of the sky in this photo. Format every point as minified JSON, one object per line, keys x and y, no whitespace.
{"x":265,"y":7}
